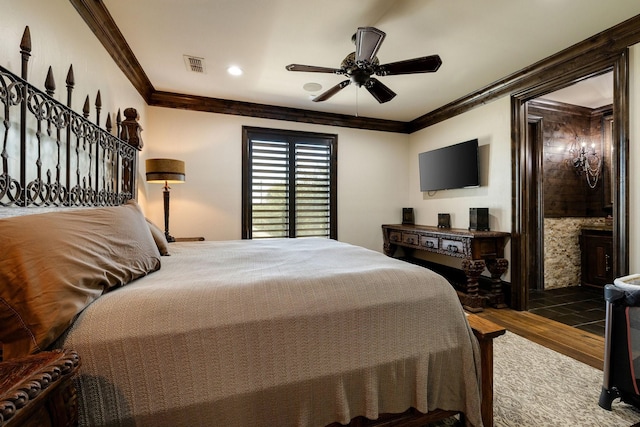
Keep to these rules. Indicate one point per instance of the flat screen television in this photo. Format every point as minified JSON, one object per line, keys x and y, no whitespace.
{"x":455,"y":166}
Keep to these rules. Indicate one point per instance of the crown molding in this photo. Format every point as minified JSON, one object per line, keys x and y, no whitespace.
{"x":100,"y":21}
{"x":602,"y":48}
{"x":97,"y":17}
{"x":249,"y":109}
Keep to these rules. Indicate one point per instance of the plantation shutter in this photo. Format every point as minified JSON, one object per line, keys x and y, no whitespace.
{"x":289,"y":184}
{"x":312,"y":184}
{"x":269,"y":189}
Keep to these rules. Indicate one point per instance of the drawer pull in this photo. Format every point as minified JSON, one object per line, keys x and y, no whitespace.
{"x":452,"y":248}
{"x":430,"y":245}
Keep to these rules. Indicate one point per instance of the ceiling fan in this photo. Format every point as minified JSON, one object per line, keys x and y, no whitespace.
{"x":360,"y":65}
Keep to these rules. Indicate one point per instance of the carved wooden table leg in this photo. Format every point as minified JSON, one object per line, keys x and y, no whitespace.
{"x":472,"y":301}
{"x":497,"y":267}
{"x":389,"y":248}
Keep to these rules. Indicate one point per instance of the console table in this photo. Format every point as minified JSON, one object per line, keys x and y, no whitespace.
{"x":477,"y":249}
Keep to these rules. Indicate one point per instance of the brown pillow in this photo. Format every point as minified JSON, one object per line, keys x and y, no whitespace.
{"x":159,"y":237}
{"x":55,"y":264}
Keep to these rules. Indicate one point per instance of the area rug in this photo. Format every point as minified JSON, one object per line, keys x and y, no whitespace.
{"x":538,"y":387}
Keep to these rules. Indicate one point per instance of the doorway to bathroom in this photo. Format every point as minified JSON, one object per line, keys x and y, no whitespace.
{"x":572,"y":128}
{"x":528,"y":249}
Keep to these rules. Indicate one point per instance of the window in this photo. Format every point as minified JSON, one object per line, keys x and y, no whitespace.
{"x":288,"y":184}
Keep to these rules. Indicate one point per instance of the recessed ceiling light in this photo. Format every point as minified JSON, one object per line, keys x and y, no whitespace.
{"x":312,"y":87}
{"x":234,"y":70}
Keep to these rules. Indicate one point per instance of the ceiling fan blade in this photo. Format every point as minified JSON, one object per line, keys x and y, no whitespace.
{"x":379,"y":91}
{"x":328,"y":94}
{"x":312,"y":69}
{"x":368,"y":41}
{"x":425,"y":64}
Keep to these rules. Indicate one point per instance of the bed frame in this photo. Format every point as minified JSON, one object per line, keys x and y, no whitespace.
{"x":55,"y":157}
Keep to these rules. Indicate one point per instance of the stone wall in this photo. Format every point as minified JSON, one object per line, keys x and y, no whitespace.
{"x":562,"y":250}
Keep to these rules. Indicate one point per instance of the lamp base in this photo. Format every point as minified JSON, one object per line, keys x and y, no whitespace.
{"x":169,"y":237}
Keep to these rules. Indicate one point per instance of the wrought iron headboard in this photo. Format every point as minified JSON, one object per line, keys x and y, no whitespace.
{"x":53,"y":156}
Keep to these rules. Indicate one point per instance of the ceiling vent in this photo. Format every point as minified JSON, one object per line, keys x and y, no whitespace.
{"x":194,"y":64}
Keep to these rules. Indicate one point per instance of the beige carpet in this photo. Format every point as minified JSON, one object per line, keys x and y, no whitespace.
{"x":553,"y":390}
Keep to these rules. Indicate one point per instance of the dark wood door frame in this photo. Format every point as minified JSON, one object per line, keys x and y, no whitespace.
{"x":534,"y":134}
{"x":527,"y":212}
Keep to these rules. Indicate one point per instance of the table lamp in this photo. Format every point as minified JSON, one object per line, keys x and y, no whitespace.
{"x":165,"y":171}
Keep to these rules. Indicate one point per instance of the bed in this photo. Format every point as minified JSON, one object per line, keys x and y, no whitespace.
{"x":286,"y":332}
{"x":300,"y":332}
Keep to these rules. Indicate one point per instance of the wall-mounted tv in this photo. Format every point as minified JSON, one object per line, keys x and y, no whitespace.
{"x":455,"y":166}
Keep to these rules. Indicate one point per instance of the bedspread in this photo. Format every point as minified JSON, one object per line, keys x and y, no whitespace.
{"x":285,"y":332}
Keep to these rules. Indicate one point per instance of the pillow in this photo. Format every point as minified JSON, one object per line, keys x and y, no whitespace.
{"x":55,"y":264}
{"x":159,"y":237}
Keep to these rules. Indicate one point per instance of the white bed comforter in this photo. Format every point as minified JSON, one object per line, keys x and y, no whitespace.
{"x":291,"y":332}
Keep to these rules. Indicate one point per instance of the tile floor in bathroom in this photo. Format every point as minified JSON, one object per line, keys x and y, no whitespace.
{"x":582,"y":307}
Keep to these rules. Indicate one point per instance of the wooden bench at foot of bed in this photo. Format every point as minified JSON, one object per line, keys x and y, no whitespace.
{"x":485,"y":331}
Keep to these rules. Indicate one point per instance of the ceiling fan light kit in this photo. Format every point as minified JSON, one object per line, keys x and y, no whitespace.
{"x":312,"y":87}
{"x":360,"y":65}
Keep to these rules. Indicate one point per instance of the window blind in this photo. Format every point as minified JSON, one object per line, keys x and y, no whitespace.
{"x":290,"y":186}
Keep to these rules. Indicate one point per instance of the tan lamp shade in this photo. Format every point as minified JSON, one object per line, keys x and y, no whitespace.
{"x":165,"y":170}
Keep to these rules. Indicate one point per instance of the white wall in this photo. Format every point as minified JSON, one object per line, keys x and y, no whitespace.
{"x":372,"y":175}
{"x":60,"y":38}
{"x":491,"y":125}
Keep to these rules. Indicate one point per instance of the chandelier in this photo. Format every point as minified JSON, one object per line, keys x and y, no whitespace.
{"x":586,"y":160}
